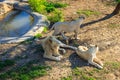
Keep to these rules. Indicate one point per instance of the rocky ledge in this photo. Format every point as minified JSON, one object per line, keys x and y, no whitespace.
{"x":40,"y":21}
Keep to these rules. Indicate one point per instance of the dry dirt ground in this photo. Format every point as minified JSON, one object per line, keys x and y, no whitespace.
{"x":105,"y":34}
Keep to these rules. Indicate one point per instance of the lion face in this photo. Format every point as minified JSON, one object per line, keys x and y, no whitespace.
{"x":53,"y":41}
{"x":93,"y":48}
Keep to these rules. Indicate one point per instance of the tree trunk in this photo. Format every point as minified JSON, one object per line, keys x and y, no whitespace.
{"x":117,"y":9}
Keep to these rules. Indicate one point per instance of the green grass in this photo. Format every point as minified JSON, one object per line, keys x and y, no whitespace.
{"x":113,"y":25}
{"x":94,"y":73}
{"x":38,"y":6}
{"x":82,"y":74}
{"x":6,"y":63}
{"x":38,"y":35}
{"x":67,"y":78}
{"x":56,"y":16}
{"x":43,"y":6}
{"x":51,"y":6}
{"x":27,"y":72}
{"x":88,"y":12}
{"x":45,"y":29}
{"x":113,"y":65}
{"x":48,"y":8}
{"x":118,"y":1}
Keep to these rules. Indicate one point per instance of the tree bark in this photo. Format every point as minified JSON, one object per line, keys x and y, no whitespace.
{"x":117,"y":9}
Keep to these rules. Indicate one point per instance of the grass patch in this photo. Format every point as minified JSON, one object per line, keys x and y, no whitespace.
{"x":27,"y":72}
{"x":43,"y":6}
{"x":67,"y":78}
{"x":94,"y":73}
{"x":38,"y":6}
{"x":82,"y":74}
{"x":6,"y":63}
{"x":51,"y":6}
{"x":113,"y":25}
{"x":88,"y":12}
{"x":45,"y":29}
{"x":56,"y":16}
{"x":113,"y":65}
{"x":38,"y":35}
{"x":48,"y":8}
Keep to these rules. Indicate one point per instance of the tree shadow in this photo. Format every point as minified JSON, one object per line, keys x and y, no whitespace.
{"x":95,"y":21}
{"x":23,"y":54}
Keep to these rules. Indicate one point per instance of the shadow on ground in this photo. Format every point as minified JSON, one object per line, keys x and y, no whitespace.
{"x":76,"y":61}
{"x":23,"y":54}
{"x":95,"y":21}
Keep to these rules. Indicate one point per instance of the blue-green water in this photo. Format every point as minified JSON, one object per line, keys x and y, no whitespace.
{"x":15,"y":25}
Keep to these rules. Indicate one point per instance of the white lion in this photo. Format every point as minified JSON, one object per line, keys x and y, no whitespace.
{"x":51,"y":47}
{"x":89,"y":54}
{"x":73,"y":26}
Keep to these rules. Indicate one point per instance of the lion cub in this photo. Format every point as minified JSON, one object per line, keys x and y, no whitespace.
{"x":89,"y":54}
{"x":52,"y":46}
{"x":73,"y":26}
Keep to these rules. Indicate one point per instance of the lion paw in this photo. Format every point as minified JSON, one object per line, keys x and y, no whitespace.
{"x":77,"y":38}
{"x":100,"y":67}
{"x":58,"y":58}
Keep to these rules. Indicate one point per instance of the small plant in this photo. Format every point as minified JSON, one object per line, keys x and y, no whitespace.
{"x":56,"y":16}
{"x":67,"y":78}
{"x":76,"y":71}
{"x":87,"y":12}
{"x":45,"y":29}
{"x":38,"y":35}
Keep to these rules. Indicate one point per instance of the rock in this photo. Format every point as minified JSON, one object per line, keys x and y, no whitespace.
{"x":4,"y":8}
{"x":24,"y":0}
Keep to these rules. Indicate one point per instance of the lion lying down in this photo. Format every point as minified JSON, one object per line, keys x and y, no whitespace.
{"x":89,"y":54}
{"x":52,"y":46}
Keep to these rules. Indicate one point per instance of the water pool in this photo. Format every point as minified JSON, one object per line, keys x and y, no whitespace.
{"x":15,"y":24}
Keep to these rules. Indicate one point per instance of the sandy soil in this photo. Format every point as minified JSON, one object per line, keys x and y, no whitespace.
{"x":105,"y":34}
